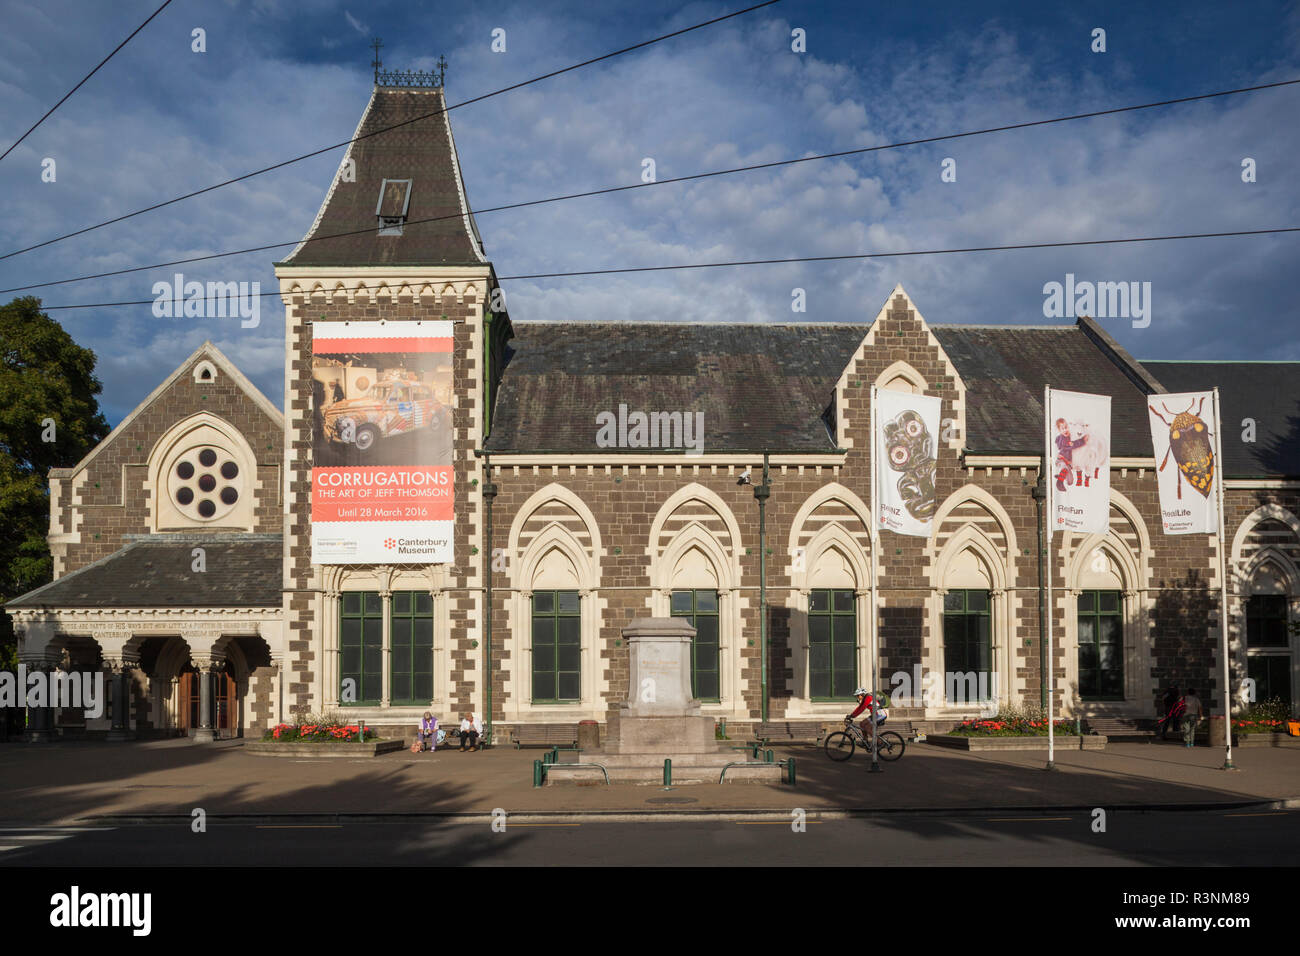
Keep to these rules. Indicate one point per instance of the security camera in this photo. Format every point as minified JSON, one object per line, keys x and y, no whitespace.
{"x":744,"y":478}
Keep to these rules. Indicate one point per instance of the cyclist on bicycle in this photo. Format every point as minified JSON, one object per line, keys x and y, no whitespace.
{"x":867,"y":702}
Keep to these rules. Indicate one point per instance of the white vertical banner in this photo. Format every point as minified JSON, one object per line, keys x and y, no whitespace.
{"x":904,"y":440}
{"x":1184,"y":433}
{"x":1078,"y":455}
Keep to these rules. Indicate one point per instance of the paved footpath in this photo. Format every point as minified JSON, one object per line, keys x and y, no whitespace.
{"x":64,"y":783}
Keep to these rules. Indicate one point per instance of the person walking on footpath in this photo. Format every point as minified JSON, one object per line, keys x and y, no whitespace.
{"x":1171,"y":709}
{"x":1192,"y":712}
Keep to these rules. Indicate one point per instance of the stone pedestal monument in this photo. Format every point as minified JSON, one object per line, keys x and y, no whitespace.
{"x":661,"y":720}
{"x":660,"y":715}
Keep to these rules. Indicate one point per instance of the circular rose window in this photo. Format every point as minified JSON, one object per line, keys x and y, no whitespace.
{"x":205,"y":483}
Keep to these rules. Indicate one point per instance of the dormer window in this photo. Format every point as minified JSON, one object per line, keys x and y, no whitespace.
{"x":394,"y":202}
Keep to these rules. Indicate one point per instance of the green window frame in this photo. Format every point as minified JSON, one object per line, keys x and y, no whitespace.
{"x":1266,"y":621}
{"x":557,"y":647}
{"x":411,"y":645}
{"x":700,"y":608}
{"x":361,"y":646}
{"x":1268,"y":646}
{"x":1101,"y":645}
{"x":832,"y":644}
{"x":967,"y":637}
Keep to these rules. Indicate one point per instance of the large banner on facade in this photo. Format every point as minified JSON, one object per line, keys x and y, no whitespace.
{"x":381,"y":481}
{"x":1183,"y":431}
{"x":905,"y":442}
{"x":1078,"y":456}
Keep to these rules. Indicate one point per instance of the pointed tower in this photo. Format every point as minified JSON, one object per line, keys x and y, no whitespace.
{"x":394,"y":240}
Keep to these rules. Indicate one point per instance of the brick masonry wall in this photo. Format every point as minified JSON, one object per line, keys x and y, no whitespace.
{"x":302,"y":582}
{"x":114,"y":501}
{"x":1174,"y":584}
{"x":1175,"y":579}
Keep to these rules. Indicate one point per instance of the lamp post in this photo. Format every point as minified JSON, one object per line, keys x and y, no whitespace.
{"x":489,"y":493}
{"x":761,"y":493}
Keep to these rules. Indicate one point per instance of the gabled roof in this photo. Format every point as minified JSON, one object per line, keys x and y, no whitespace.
{"x":206,"y":350}
{"x":421,"y":149}
{"x":1005,"y":369}
{"x":759,"y":386}
{"x":1267,"y":392}
{"x":243,"y":571}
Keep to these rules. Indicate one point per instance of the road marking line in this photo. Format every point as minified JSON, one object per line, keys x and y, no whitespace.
{"x":543,"y":824}
{"x":1028,"y":819}
{"x":1270,"y":813}
{"x":296,"y":826}
{"x":771,"y":823}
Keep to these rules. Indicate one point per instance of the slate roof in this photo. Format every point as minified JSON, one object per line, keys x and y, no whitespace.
{"x":1005,"y":369}
{"x":243,"y":571}
{"x":1268,"y":392}
{"x":759,"y":386}
{"x":422,"y":151}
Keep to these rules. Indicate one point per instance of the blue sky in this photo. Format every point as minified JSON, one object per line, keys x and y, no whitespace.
{"x":282,"y":77}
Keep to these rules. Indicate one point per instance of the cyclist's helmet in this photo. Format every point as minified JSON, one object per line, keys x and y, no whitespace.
{"x":861,"y":692}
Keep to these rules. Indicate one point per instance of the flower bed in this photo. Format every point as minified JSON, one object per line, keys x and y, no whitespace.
{"x":1011,"y":727}
{"x":1265,"y":717}
{"x":318,"y":733}
{"x":1262,"y":726}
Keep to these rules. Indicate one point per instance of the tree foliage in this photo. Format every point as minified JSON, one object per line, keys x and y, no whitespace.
{"x":49,"y":418}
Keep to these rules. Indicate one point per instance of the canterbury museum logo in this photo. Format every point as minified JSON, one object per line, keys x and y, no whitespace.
{"x":73,"y":690}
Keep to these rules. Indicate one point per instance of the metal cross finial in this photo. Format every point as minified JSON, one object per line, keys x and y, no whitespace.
{"x":442,"y":69}
{"x":377,"y":63}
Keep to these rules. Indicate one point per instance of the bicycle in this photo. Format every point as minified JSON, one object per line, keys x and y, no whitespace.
{"x":841,"y":744}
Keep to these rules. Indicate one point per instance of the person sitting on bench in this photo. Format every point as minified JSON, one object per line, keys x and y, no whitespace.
{"x":470,"y":728}
{"x":427,"y":735}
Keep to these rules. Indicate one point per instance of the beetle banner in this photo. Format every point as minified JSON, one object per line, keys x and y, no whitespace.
{"x":1183,"y":432}
{"x":382,"y":478}
{"x":906,"y":441}
{"x":1078,"y":455}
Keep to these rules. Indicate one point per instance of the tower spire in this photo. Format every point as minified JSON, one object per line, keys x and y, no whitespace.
{"x":376,"y":43}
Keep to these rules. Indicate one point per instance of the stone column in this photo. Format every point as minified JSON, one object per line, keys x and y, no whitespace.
{"x":117,"y":699}
{"x":205,"y":666}
{"x":40,"y":720}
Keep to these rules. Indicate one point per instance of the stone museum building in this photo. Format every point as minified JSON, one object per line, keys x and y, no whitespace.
{"x":182,"y":543}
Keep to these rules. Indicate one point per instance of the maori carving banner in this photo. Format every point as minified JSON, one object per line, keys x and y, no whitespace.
{"x":904,"y":450}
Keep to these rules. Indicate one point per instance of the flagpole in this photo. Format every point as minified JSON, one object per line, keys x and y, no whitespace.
{"x":1223,"y":596}
{"x":1046,"y":677}
{"x":874,"y":634}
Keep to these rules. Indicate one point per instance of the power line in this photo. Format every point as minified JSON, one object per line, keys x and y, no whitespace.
{"x":83,"y":80}
{"x":346,"y":142}
{"x":793,"y":259}
{"x":664,"y":182}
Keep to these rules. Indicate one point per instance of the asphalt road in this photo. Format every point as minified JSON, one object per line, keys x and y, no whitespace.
{"x":1182,"y":838}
